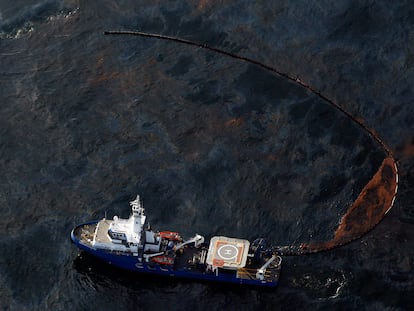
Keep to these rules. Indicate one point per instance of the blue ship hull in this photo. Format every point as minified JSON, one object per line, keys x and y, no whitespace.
{"x":136,"y":264}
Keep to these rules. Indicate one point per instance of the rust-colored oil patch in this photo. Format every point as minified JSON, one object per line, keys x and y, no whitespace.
{"x":407,"y":149}
{"x":236,"y":122}
{"x":369,"y":208}
{"x":104,"y":77}
{"x":271,"y":157}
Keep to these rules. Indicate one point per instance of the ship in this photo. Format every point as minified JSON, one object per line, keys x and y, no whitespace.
{"x":132,"y":244}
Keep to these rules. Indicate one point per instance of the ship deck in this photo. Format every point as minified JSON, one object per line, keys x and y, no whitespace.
{"x":84,"y":233}
{"x":191,"y":259}
{"x":102,"y":232}
{"x":195,"y":260}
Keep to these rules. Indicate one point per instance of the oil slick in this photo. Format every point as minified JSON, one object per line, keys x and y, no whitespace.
{"x":375,"y":199}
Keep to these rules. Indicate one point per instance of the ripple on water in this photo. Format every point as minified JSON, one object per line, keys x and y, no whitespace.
{"x":20,"y":22}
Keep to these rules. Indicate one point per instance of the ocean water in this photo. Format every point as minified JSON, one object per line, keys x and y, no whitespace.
{"x":213,"y":144}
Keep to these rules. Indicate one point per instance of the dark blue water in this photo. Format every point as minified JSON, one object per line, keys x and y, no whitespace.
{"x":213,"y":145}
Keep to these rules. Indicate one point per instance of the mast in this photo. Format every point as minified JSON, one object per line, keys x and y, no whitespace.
{"x":138,"y":215}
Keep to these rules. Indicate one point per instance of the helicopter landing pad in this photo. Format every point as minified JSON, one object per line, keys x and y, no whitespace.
{"x":227,"y":253}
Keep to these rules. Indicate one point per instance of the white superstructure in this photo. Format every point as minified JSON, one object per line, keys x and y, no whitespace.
{"x":121,"y":234}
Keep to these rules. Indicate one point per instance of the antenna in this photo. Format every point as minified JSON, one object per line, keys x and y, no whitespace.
{"x":136,"y":205}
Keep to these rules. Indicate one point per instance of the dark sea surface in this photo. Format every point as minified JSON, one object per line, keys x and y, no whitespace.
{"x":214,"y":145}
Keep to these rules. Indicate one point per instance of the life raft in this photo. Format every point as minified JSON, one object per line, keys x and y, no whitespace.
{"x":163,"y":260}
{"x":170,"y":235}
